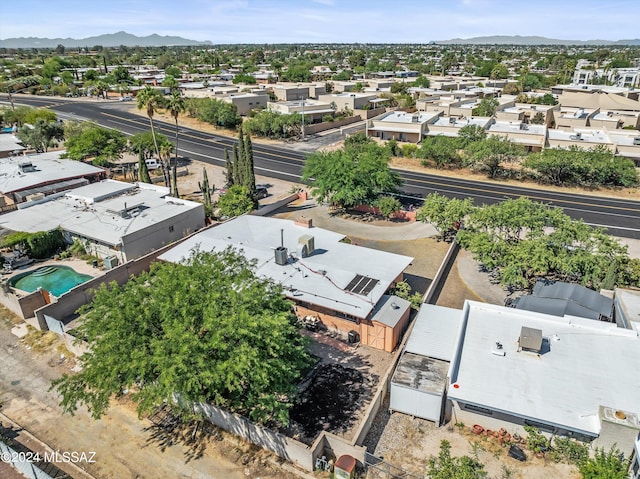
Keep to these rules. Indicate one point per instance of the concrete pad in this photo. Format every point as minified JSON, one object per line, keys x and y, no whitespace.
{"x":20,"y":330}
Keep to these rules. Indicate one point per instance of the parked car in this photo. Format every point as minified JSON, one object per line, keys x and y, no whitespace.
{"x":152,"y":164}
{"x":126,"y":98}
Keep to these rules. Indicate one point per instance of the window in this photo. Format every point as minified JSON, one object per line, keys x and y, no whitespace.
{"x":541,"y":425}
{"x":478,"y":409}
{"x":171,"y":229}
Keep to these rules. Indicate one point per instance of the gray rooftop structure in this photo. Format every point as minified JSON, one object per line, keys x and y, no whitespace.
{"x":32,"y":171}
{"x":559,"y":298}
{"x":421,"y":373}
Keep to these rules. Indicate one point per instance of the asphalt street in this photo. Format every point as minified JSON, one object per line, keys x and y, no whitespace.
{"x":621,"y":217}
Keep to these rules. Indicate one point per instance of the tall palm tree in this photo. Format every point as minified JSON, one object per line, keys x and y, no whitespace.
{"x":151,"y":99}
{"x":175,"y":106}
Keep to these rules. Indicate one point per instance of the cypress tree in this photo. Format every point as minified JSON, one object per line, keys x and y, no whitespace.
{"x":236,"y":166}
{"x":229,"y":166}
{"x":143,"y":171}
{"x":250,"y":176}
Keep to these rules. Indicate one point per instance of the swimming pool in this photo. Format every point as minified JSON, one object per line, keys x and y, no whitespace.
{"x":55,"y":279}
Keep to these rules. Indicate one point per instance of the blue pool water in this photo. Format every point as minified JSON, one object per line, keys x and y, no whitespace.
{"x":55,"y":279}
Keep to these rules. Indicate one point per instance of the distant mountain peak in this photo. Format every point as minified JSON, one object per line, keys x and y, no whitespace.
{"x":107,"y":40}
{"x":530,"y":40}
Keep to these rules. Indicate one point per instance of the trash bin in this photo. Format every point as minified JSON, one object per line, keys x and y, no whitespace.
{"x":353,"y":337}
{"x":517,"y":453}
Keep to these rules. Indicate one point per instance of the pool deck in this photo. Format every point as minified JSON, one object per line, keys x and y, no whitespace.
{"x":79,"y":265}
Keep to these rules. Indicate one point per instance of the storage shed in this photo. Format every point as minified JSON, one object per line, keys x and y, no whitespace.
{"x":418,"y":385}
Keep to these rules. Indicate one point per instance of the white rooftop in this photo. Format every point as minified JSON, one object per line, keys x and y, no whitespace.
{"x":435,"y":332}
{"x":10,"y":143}
{"x":517,"y":127}
{"x":97,"y":210}
{"x":47,"y":168}
{"x":404,"y":117}
{"x":584,"y":364}
{"x":585,"y":135}
{"x":321,"y":278}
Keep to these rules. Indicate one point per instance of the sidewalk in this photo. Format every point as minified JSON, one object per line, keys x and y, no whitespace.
{"x":322,"y":219}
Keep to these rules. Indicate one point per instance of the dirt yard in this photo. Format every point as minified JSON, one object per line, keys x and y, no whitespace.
{"x":408,"y":443}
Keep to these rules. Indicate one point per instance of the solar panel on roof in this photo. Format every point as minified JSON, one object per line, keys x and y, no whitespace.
{"x":361,"y":285}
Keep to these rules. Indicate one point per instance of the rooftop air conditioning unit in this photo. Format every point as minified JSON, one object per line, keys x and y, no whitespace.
{"x":35,"y":197}
{"x":636,"y":141}
{"x":306,"y":245}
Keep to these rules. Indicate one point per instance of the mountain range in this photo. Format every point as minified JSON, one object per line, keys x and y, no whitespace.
{"x":531,"y":40}
{"x":107,"y":40}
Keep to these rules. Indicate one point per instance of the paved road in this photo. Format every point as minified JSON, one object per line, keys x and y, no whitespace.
{"x":620,"y":216}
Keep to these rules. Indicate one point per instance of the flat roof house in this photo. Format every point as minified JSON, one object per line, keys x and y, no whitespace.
{"x":584,"y":138}
{"x":564,"y":375}
{"x":532,"y":137}
{"x":401,"y":126}
{"x":351,"y":101}
{"x":10,"y":145}
{"x":36,"y":176}
{"x":112,"y":218}
{"x":343,"y":285}
{"x":245,"y":102}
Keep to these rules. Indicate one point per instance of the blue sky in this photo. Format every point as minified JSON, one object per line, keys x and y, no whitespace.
{"x":309,"y":21}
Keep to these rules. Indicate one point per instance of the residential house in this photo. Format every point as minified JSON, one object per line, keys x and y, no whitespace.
{"x":569,"y":118}
{"x":450,"y":126}
{"x":245,"y":102}
{"x":532,"y":137}
{"x":10,"y":145}
{"x":564,"y":375}
{"x":583,"y":138}
{"x":562,"y":299}
{"x":111,"y":218}
{"x":401,"y":126}
{"x":341,"y":287}
{"x":288,"y":92}
{"x":351,"y":101}
{"x":627,"y":144}
{"x":31,"y":177}
{"x":314,"y":110}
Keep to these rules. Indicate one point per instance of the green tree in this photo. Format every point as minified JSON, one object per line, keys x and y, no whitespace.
{"x":422,"y":82}
{"x":445,"y":214}
{"x":175,"y":106}
{"x":143,"y":170}
{"x":486,"y":107}
{"x":471,"y":134}
{"x":244,"y":78}
{"x":357,"y":174}
{"x":35,"y":114}
{"x":446,"y":467}
{"x":249,"y":175}
{"x":235,"y":202}
{"x":228,"y":173}
{"x":489,"y":155}
{"x":605,"y":465}
{"x":91,"y":141}
{"x":144,"y":142}
{"x":206,"y":330}
{"x":150,"y":100}
{"x":388,"y":206}
{"x":42,"y":135}
{"x":441,"y":150}
{"x":524,"y":241}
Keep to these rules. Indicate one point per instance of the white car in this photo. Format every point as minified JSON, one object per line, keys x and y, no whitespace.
{"x":126,"y":98}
